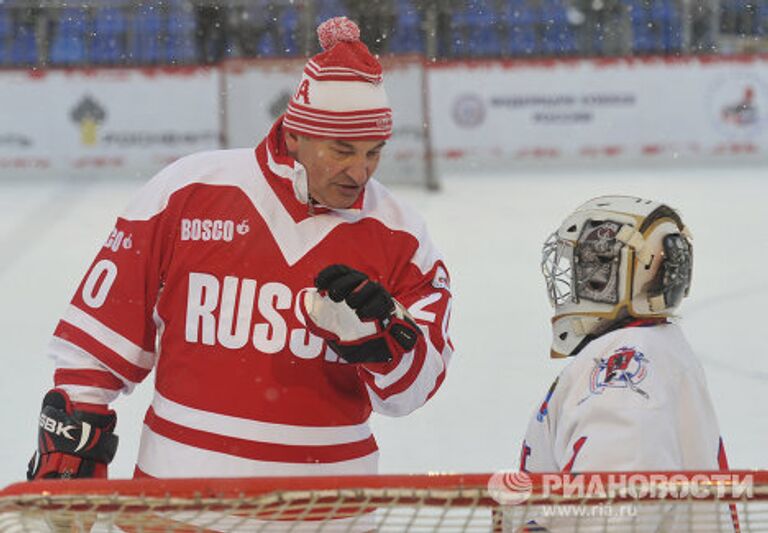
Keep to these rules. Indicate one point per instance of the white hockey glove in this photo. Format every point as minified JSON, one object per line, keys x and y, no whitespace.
{"x":358,"y":317}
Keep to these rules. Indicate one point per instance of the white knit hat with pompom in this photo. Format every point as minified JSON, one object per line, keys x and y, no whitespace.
{"x":341,"y":94}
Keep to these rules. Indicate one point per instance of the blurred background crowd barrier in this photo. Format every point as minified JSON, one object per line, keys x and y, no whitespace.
{"x":122,"y":33}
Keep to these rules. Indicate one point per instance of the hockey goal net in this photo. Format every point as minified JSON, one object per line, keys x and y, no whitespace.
{"x":638,"y":501}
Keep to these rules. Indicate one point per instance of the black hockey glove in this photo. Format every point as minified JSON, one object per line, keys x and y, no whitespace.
{"x":358,"y":317}
{"x":71,"y":443}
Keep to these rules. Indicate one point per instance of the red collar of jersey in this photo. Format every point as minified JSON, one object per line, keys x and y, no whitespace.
{"x":288,"y":178}
{"x":645,"y":322}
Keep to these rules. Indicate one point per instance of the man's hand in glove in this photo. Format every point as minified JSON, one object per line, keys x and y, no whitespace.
{"x":358,"y":317}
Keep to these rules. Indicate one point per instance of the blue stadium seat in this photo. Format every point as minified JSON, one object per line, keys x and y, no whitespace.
{"x":5,"y":32}
{"x":5,"y":22}
{"x":289,"y":29}
{"x":482,"y":31}
{"x":553,"y":12}
{"x":180,"y":48}
{"x":407,"y":35}
{"x":180,"y":44}
{"x":558,"y":39}
{"x":266,"y":46}
{"x":458,"y":40}
{"x":660,"y":10}
{"x":762,"y":17}
{"x":557,"y":33}
{"x":520,"y":21}
{"x":181,"y":20}
{"x":23,"y":48}
{"x":643,"y":41}
{"x":258,"y":16}
{"x":147,"y":44}
{"x":325,"y":9}
{"x":68,"y":46}
{"x":108,"y":45}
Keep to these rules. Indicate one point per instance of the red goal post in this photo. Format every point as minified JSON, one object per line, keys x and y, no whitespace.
{"x":664,"y":501}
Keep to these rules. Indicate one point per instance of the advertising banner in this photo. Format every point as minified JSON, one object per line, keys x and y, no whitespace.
{"x":131,"y":121}
{"x":134,"y":121}
{"x":637,"y":108}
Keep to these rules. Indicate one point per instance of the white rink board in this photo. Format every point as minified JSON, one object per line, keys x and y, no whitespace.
{"x":113,"y":120}
{"x":582,"y":109}
{"x":257,"y":93}
{"x":650,"y":109}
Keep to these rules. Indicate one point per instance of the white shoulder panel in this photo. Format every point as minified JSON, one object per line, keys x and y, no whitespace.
{"x":217,"y":167}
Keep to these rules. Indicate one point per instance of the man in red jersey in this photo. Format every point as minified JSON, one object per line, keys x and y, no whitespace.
{"x":280,"y":294}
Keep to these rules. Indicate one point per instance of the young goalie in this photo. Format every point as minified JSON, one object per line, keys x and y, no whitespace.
{"x":633,"y":396}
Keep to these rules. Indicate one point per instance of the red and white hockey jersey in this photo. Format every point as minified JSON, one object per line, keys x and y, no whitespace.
{"x":634,"y":399}
{"x":200,"y":279}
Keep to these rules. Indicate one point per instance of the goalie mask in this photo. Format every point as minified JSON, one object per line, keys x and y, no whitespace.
{"x":614,"y":257}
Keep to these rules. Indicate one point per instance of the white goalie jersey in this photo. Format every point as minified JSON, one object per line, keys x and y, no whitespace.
{"x":634,"y":399}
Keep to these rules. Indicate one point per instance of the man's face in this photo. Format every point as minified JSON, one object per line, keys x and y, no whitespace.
{"x":337,"y":170}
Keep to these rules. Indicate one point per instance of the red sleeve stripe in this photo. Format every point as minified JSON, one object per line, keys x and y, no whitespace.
{"x":92,"y":408}
{"x":386,"y":374}
{"x":87,"y":377}
{"x":576,"y":449}
{"x":113,"y":340}
{"x":419,"y":371}
{"x":103,"y":354}
{"x":260,"y":451}
{"x":417,"y":392}
{"x":438,"y":382}
{"x":404,"y":382}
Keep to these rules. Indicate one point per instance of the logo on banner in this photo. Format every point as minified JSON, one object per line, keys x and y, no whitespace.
{"x":739,"y":106}
{"x":469,"y":111}
{"x":89,"y":114}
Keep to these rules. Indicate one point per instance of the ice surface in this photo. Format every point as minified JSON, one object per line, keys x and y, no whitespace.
{"x":490,"y":228}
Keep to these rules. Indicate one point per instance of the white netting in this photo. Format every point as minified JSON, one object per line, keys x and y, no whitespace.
{"x":348,"y":510}
{"x":557,"y":502}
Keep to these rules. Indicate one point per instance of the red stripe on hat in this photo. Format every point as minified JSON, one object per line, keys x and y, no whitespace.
{"x":335,"y":132}
{"x":350,"y":121}
{"x":375,"y":122}
{"x":339,"y":73}
{"x":367,"y":123}
{"x":340,"y":114}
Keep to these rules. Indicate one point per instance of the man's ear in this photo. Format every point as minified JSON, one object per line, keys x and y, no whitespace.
{"x":291,"y":141}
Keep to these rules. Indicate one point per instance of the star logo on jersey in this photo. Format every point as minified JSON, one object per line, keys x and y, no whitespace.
{"x":624,"y":369}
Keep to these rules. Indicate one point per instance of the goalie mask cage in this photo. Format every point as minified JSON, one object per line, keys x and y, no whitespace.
{"x":636,"y":501}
